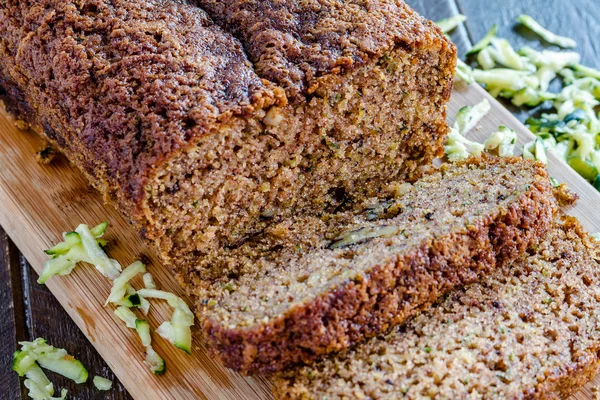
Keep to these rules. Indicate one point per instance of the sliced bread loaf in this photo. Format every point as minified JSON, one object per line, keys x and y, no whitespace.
{"x":529,"y":330}
{"x":312,"y":285}
{"x":167,"y":116}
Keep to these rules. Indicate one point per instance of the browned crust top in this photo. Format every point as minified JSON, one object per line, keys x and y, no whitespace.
{"x":132,"y":80}
{"x":294,"y":42}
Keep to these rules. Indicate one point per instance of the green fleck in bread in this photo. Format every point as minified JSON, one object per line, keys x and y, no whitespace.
{"x":531,"y":330}
{"x":201,"y":144}
{"x":309,"y":286}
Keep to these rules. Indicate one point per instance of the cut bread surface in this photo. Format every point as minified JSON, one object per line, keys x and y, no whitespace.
{"x":309,"y":286}
{"x":529,"y":330}
{"x":342,"y":145}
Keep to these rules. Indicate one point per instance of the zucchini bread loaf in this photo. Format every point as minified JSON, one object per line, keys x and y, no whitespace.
{"x":529,"y":330}
{"x":309,"y":286}
{"x":166,"y":115}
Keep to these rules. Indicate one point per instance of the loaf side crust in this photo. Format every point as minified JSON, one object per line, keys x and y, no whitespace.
{"x":121,"y":86}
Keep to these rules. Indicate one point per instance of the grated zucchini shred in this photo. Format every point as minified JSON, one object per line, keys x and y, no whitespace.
{"x":485,"y":42}
{"x":569,"y":127}
{"x":503,"y":141}
{"x":86,"y":245}
{"x":67,"y":254}
{"x":449,"y":24}
{"x":107,"y":267}
{"x":38,"y":354}
{"x":535,"y":151}
{"x":153,"y":360}
{"x":121,"y":286}
{"x":458,"y":147}
{"x":178,"y":330}
{"x":464,"y":72}
{"x":102,"y":383}
{"x":40,"y":388}
{"x":544,"y":33}
{"x":149,"y":281}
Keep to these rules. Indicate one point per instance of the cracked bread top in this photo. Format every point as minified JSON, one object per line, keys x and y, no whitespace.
{"x":137,"y":80}
{"x":294,"y":42}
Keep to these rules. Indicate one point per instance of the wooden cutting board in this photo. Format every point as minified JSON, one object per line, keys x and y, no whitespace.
{"x":39,"y":202}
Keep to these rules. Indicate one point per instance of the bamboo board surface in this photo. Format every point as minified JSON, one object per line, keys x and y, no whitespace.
{"x":39,"y":202}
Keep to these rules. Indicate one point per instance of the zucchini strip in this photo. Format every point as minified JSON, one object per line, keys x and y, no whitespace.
{"x":149,"y":281}
{"x":544,"y":33}
{"x":153,"y":360}
{"x":584,"y":71}
{"x":504,"y":141}
{"x":449,"y":24}
{"x":121,"y":283}
{"x":102,"y":383}
{"x":67,"y":254}
{"x":485,"y":41}
{"x":468,"y":117}
{"x":40,"y":388}
{"x":38,"y":353}
{"x":177,"y":331}
{"x":107,"y":267}
{"x":464,"y":72}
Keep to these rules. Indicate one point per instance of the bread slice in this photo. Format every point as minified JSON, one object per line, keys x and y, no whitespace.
{"x":309,"y":286}
{"x":529,"y":330}
{"x":167,"y":116}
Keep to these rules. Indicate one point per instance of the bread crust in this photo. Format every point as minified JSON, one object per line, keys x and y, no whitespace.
{"x":120,"y":91}
{"x":296,"y":43}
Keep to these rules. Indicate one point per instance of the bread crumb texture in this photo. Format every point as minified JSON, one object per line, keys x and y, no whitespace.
{"x":309,"y":286}
{"x":529,"y":330}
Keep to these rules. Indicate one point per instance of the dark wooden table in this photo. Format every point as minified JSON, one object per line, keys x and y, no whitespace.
{"x":28,"y":310}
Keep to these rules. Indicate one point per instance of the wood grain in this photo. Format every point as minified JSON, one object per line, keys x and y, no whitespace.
{"x":40,"y":202}
{"x":11,"y":316}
